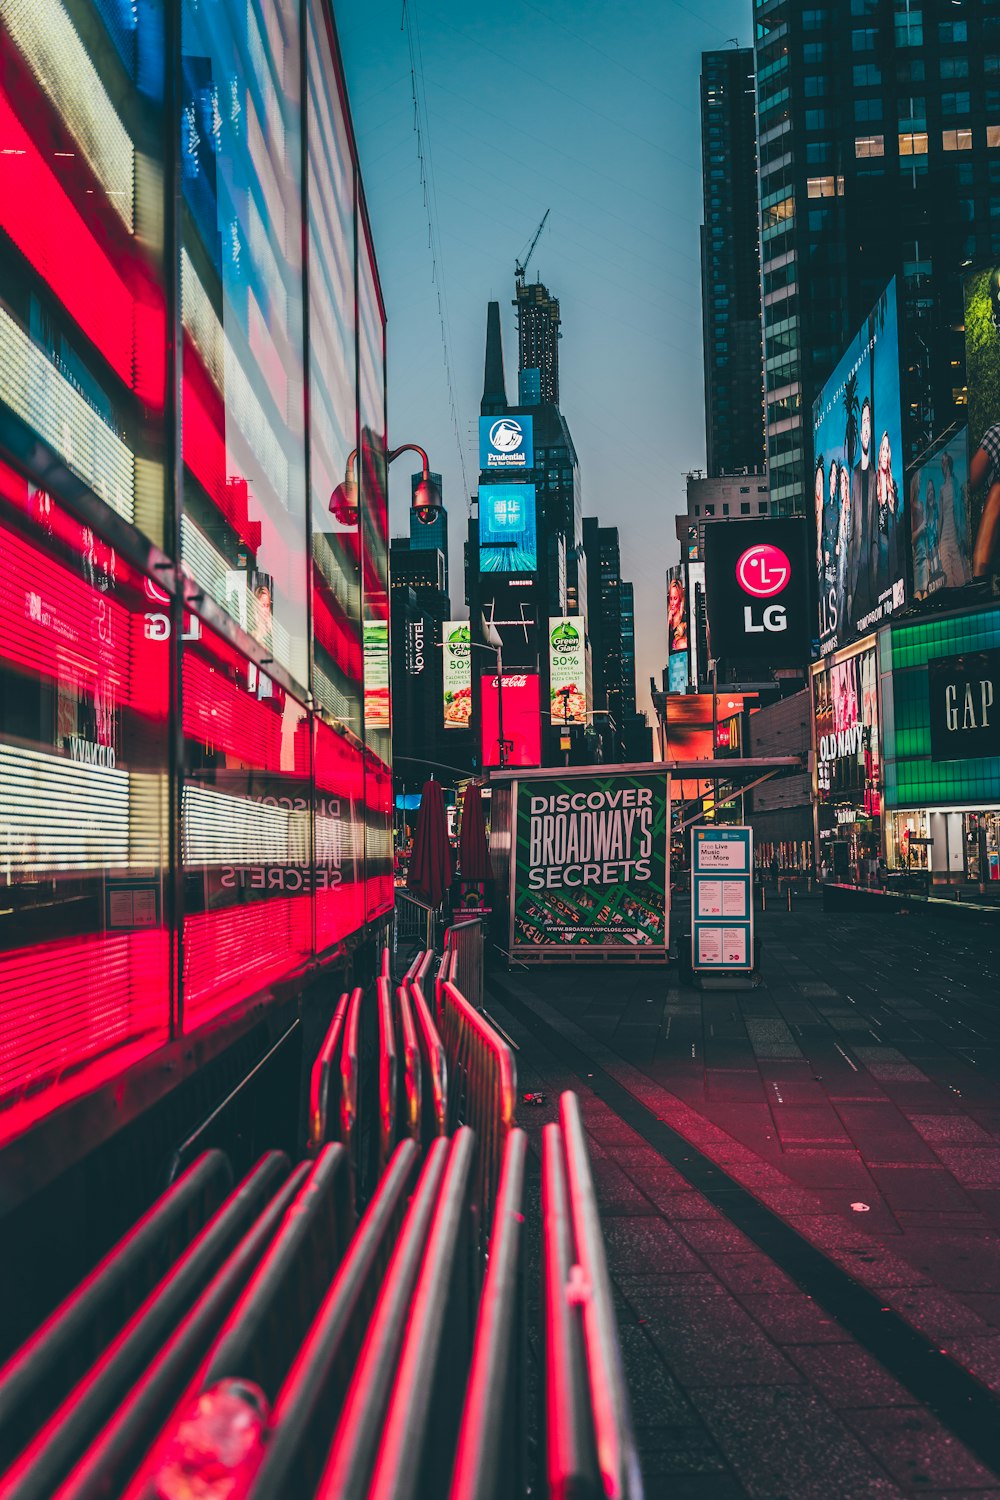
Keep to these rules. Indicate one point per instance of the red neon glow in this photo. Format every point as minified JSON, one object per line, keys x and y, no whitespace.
{"x":54,"y":237}
{"x":232,"y":954}
{"x":64,"y":1004}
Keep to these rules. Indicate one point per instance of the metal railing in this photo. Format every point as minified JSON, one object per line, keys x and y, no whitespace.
{"x":490,"y":1462}
{"x":321,"y":1076}
{"x":482,"y":1088}
{"x":466,"y":941}
{"x":434,"y":1070}
{"x":117,"y":1450}
{"x":579,"y":1312}
{"x":312,"y":1398}
{"x":36,"y":1379}
{"x":351,"y":1458}
{"x":410,"y":1103}
{"x":388,"y":1073}
{"x":414,"y":921}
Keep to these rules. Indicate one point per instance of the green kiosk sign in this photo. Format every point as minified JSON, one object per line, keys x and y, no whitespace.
{"x":590,"y":865}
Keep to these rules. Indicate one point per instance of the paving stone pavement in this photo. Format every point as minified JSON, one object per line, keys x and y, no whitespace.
{"x":863,"y":1070}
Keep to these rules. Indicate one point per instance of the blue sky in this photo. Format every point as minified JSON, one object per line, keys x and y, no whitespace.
{"x":589,"y":109}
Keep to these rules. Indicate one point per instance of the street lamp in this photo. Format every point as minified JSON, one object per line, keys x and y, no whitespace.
{"x":426,"y":497}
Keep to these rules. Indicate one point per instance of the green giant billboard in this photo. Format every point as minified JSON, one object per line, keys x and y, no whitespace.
{"x":590,"y":864}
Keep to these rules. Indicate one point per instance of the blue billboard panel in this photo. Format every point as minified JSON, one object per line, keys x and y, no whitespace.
{"x":677,"y":678}
{"x":506,"y":443}
{"x":508,"y":538}
{"x":862,"y":532}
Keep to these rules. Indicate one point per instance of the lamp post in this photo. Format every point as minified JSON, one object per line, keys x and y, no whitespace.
{"x":498,"y":653}
{"x":426,"y":496}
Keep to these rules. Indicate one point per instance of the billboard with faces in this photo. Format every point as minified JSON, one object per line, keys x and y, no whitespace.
{"x":861,"y":520}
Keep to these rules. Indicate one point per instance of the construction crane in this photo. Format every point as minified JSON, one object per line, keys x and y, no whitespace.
{"x":520,"y":266}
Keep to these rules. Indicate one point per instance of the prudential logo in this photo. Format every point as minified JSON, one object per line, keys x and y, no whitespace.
{"x":506,"y":436}
{"x":763,"y":571}
{"x":505,"y":443}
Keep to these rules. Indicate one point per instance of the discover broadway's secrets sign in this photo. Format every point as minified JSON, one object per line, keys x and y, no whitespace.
{"x":590,"y":864}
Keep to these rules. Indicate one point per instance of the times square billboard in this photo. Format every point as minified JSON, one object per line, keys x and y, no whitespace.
{"x":862,"y":524}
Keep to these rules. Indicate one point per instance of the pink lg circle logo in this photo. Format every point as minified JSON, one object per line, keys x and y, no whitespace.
{"x":763,"y":571}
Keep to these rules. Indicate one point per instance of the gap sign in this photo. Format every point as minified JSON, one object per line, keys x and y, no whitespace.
{"x":758,"y":590}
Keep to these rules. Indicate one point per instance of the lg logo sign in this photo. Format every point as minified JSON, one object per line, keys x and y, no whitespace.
{"x":763,"y":572}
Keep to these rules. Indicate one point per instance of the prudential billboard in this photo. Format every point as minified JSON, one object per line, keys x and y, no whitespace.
{"x":505,"y":444}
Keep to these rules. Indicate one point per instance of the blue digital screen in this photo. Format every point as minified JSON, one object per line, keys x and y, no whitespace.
{"x":677,"y":679}
{"x":505,"y":444}
{"x":508,"y":539}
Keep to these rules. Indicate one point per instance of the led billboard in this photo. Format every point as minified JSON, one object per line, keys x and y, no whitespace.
{"x":508,"y":541}
{"x":859,"y":497}
{"x":941,"y":521}
{"x":982,"y":366}
{"x":505,"y":444}
{"x":677,"y":620}
{"x":457,"y":674}
{"x":757,"y":591}
{"x":522,"y":720}
{"x":567,"y":670}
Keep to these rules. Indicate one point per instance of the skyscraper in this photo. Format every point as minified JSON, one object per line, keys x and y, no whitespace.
{"x":730,"y":264}
{"x":538,"y":337}
{"x":879,"y":150}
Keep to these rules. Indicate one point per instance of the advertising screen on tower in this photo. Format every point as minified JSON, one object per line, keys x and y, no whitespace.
{"x":757,"y":590}
{"x":861,"y":522}
{"x":522,"y":721}
{"x":941,"y":519}
{"x":567,"y":670}
{"x":457,"y":674}
{"x":982,"y":365}
{"x":505,"y":444}
{"x":590,"y":863}
{"x":508,"y":541}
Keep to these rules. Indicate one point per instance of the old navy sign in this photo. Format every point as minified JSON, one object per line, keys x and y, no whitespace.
{"x":965,"y":706}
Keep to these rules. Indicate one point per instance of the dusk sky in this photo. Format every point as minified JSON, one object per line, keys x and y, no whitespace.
{"x":590,"y":110}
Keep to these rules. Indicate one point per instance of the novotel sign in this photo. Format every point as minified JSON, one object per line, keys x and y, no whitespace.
{"x":757,"y":590}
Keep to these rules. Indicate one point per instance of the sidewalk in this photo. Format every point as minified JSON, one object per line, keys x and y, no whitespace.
{"x":854,"y":1097}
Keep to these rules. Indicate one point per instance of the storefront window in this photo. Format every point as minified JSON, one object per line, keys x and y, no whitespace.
{"x":337,"y":668}
{"x":82,"y":346}
{"x":84,"y":693}
{"x":982,"y":846}
{"x":241,"y":299}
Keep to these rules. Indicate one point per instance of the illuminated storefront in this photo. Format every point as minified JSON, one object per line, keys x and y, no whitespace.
{"x":195,"y":795}
{"x":848,"y":776}
{"x":940,"y":693}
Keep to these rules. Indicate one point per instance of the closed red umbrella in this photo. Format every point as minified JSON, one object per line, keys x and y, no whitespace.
{"x":431,"y":864}
{"x":473,"y":851}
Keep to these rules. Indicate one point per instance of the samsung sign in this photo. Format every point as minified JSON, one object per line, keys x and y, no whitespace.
{"x":757,"y":590}
{"x":965,"y":706}
{"x":505,"y":443}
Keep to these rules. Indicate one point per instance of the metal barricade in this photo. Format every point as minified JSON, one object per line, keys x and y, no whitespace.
{"x":355,"y":1441}
{"x":490,"y":1463}
{"x":116,"y":1452}
{"x":418,"y":1437}
{"x":323,"y":1072}
{"x":414,"y":921}
{"x":410,"y":1099}
{"x":611,"y":1414}
{"x":482,"y":1088}
{"x":310,"y":1402}
{"x":465,"y":940}
{"x":388,"y":1074}
{"x":434,"y":1069}
{"x":36,"y":1379}
{"x":570,"y":1451}
{"x":262,"y":1334}
{"x":65,"y":1435}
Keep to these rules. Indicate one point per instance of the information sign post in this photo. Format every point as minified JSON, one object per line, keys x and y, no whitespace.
{"x":722,"y":929}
